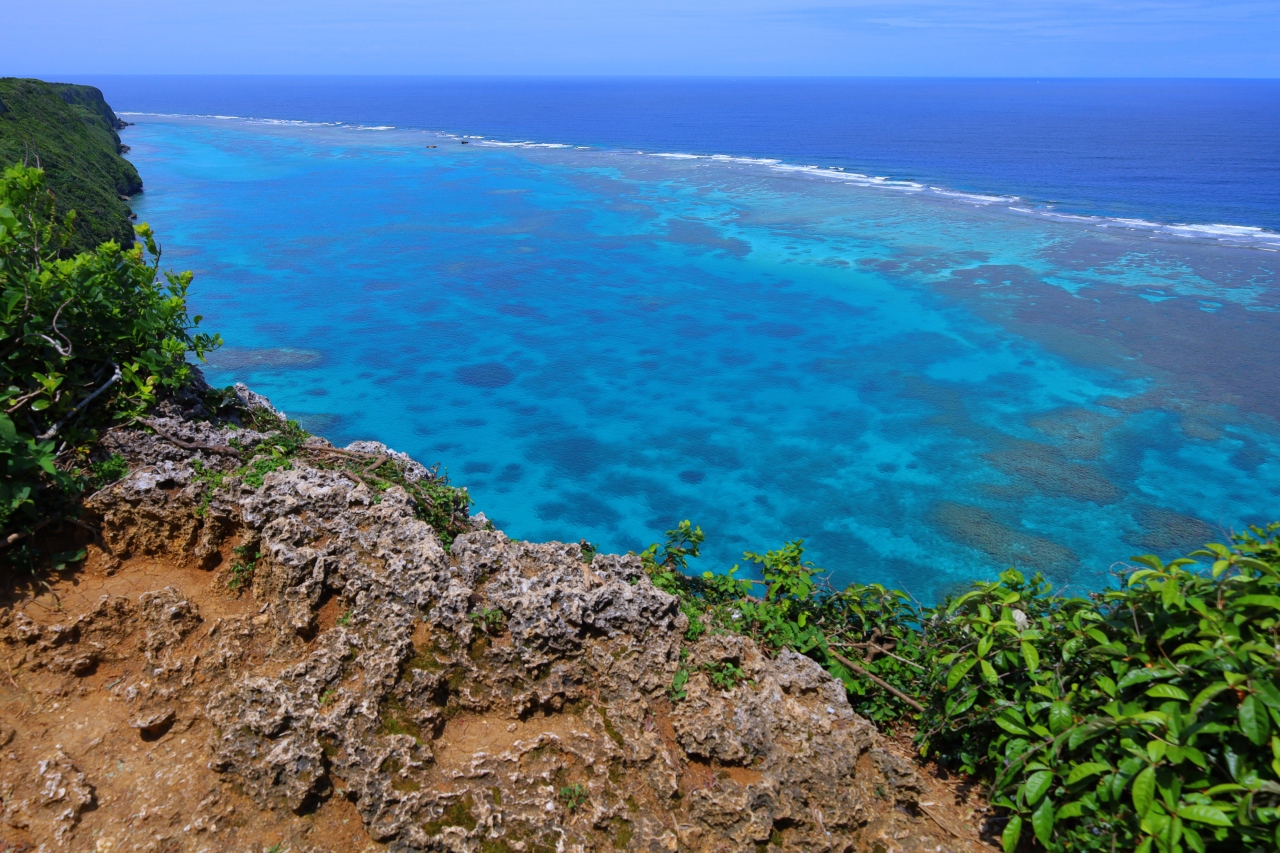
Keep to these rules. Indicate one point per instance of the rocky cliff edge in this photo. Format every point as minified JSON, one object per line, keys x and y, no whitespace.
{"x":295,"y":660}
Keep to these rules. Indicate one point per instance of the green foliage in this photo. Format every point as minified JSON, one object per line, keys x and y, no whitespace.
{"x":1142,"y":718}
{"x":679,"y":681}
{"x":799,"y":611}
{"x":86,"y":340}
{"x":490,"y":620}
{"x":574,"y":796}
{"x":106,"y":471}
{"x":243,"y":566}
{"x":724,"y":674}
{"x":443,"y":506}
{"x":440,"y":505}
{"x":71,"y":133}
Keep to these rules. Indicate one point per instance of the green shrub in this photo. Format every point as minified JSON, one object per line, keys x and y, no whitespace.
{"x":800,"y":611}
{"x":1144,"y":718}
{"x":86,"y":341}
{"x":574,"y":796}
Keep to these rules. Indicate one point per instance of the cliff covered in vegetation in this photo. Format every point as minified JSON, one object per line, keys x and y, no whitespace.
{"x":70,"y":132}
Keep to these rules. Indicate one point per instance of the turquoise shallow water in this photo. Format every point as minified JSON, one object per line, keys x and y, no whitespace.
{"x":599,"y":344}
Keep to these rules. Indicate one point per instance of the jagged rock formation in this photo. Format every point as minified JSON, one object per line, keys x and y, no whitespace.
{"x":502,"y":696}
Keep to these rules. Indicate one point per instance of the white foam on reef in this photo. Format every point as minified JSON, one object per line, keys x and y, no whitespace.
{"x":974,"y":198}
{"x":494,"y":143}
{"x":763,"y":161}
{"x":1247,"y":236}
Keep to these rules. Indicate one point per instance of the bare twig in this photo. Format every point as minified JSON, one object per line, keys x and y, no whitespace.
{"x":65,"y":353}
{"x":374,"y":465}
{"x":189,"y":445}
{"x":13,"y":538}
{"x":882,"y":650}
{"x":22,"y":401}
{"x":877,"y":679}
{"x":53,"y":430}
{"x":939,"y":821}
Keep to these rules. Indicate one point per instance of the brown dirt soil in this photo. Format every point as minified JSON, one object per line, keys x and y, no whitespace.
{"x":147,"y":791}
{"x":154,"y":790}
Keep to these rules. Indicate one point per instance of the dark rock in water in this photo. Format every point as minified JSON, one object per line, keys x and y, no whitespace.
{"x":251,"y":358}
{"x":488,"y":375}
{"x":1166,"y":533}
{"x":319,"y":423}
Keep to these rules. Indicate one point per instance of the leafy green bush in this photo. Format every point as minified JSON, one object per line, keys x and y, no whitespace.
{"x":1141,"y":718}
{"x":84,"y":341}
{"x":1144,"y":718}
{"x":799,"y":610}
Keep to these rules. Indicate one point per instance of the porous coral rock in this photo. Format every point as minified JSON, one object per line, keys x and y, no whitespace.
{"x":503,"y":695}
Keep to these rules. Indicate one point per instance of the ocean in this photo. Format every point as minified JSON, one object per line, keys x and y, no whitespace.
{"x":933,"y":328}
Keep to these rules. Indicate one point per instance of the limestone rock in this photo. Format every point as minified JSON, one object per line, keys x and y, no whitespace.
{"x":501,"y":695}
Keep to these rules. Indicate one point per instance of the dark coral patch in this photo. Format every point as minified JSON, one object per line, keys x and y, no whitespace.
{"x":488,"y":375}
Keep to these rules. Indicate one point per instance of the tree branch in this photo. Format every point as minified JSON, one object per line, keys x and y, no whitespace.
{"x":53,"y":430}
{"x":189,"y":445}
{"x":877,"y":679}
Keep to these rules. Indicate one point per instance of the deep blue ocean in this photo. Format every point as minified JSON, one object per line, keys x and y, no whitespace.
{"x":932,"y":327}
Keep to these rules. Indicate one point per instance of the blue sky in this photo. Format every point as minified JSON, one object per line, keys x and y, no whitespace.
{"x":1178,"y":38}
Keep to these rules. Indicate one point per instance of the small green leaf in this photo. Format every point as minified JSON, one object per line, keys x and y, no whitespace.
{"x":1010,"y":726}
{"x":1042,"y":820}
{"x":1267,"y":692}
{"x":1084,"y":771}
{"x":989,"y":673}
{"x":1254,"y":720}
{"x":1204,"y":814}
{"x":959,"y":671}
{"x":1030,"y":656}
{"x":1139,"y":675}
{"x":1272,"y":601}
{"x":1060,"y":717}
{"x":1203,"y":697}
{"x":1012,"y":832}
{"x":1144,"y":790}
{"x":1036,"y":786}
{"x":1070,"y":810}
{"x":1167,"y":691}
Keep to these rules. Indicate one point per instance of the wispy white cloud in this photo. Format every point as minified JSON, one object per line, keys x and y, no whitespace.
{"x":1051,"y":18}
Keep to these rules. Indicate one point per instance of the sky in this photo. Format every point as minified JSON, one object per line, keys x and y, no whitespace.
{"x":1019,"y":38}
